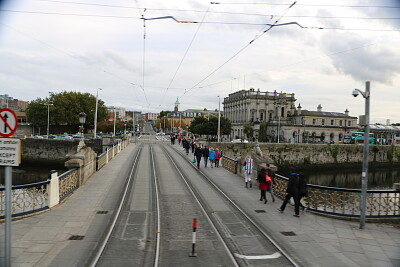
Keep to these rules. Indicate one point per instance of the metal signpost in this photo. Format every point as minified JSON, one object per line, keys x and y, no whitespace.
{"x":10,"y":155}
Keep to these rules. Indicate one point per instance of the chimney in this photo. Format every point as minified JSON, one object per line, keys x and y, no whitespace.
{"x":319,"y":108}
{"x":346,"y":112}
{"x":299,"y":109}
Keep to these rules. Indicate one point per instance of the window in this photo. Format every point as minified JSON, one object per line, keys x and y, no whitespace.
{"x":349,"y":123}
{"x":283,"y":112}
{"x":261,"y":116}
{"x":270,"y":116}
{"x":314,"y":121}
{"x":332,"y":122}
{"x":340,"y":123}
{"x":323,"y":122}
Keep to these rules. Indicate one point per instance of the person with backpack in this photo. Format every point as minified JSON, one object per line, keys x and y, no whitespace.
{"x":218,"y":156}
{"x":293,"y":191}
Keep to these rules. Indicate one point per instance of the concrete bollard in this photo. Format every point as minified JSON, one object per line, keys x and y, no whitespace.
{"x":54,"y":189}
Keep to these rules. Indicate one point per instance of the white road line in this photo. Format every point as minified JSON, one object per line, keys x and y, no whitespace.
{"x":260,"y":257}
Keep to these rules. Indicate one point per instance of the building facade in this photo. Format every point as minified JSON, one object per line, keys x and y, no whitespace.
{"x":283,"y":121}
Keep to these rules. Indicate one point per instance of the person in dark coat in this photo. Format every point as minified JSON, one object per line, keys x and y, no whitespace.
{"x":198,"y":153}
{"x":206,"y":153}
{"x":303,"y":192}
{"x":263,"y":184}
{"x":293,"y":191}
{"x":186,"y":145}
{"x":271,"y":174}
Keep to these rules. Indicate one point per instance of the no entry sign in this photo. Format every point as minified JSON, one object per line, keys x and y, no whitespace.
{"x":8,"y":122}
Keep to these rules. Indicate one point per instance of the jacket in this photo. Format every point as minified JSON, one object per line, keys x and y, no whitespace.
{"x":294,"y":184}
{"x":206,"y":152}
{"x":211,"y":154}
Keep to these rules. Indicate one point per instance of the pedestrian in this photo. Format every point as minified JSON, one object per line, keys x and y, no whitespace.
{"x":198,"y":153}
{"x":211,"y":156}
{"x":218,"y":155}
{"x":264,"y":181}
{"x":292,"y":190}
{"x":186,"y":145}
{"x":271,"y":174}
{"x":206,"y":152}
{"x":248,"y":170}
{"x":303,"y":192}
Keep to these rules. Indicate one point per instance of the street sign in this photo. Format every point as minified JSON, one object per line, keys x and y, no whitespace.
{"x":8,"y":122}
{"x":10,"y":152}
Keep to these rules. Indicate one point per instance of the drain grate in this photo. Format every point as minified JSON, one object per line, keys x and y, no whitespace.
{"x":260,"y":211}
{"x":76,"y":237}
{"x":288,"y":233}
{"x":102,"y":212}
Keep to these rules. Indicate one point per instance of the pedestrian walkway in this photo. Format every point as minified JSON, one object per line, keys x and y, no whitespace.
{"x":43,"y":239}
{"x":317,"y":240}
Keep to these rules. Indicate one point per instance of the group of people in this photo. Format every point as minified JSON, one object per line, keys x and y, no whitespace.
{"x":296,"y":188}
{"x":209,"y":155}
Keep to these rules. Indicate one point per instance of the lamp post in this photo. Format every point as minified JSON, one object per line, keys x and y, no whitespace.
{"x":82,"y":120}
{"x":364,"y":121}
{"x":115,"y":117}
{"x":95,"y":113}
{"x":48,"y":119}
{"x":219,"y":119}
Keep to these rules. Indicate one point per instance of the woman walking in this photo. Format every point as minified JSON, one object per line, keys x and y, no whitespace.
{"x":218,"y":156}
{"x":248,"y":170}
{"x":211,"y":156}
{"x":264,"y":184}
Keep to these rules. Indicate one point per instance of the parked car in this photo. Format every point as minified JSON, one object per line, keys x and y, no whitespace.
{"x":65,"y":137}
{"x":239,"y":141}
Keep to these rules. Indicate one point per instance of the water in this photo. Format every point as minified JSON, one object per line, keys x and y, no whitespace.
{"x":378,"y":179}
{"x":28,"y":174}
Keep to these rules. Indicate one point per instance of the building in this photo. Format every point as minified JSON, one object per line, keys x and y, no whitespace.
{"x":284,"y":122}
{"x":120,"y":113}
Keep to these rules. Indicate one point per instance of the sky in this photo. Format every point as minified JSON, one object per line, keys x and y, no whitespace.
{"x":319,"y":50}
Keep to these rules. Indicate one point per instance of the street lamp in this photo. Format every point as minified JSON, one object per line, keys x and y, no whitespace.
{"x":48,"y":119}
{"x":364,"y":121}
{"x":95,"y":113}
{"x":82,"y":120}
{"x":219,"y":119}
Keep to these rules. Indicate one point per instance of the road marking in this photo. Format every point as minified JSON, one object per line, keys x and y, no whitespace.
{"x":260,"y":257}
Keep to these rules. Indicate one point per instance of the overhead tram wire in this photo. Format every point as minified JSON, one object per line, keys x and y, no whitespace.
{"x":184,"y":56}
{"x":312,"y":5}
{"x":74,"y":56}
{"x":243,"y":48}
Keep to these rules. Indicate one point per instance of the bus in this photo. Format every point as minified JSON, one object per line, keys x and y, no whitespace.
{"x":357,"y":138}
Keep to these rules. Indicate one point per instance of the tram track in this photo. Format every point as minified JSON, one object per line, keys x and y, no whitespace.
{"x":165,"y":193}
{"x":280,"y":251}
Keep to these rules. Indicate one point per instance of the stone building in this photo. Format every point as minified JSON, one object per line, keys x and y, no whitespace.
{"x":284,"y":122}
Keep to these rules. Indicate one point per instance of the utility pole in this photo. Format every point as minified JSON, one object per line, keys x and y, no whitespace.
{"x":95,"y":113}
{"x":219,"y":119}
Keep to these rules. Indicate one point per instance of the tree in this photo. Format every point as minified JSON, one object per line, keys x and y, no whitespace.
{"x":163,"y":114}
{"x":248,"y":130}
{"x":204,"y":126}
{"x":65,"y":109}
{"x":262,"y":134}
{"x":163,"y":121}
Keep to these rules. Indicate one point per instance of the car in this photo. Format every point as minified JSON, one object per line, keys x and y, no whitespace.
{"x":239,"y":141}
{"x":65,"y":137}
{"x":77,"y":135}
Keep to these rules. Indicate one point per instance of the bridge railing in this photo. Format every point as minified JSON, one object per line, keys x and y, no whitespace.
{"x":32,"y":198}
{"x":26,"y":199}
{"x":345,"y":202}
{"x":230,"y":164}
{"x":68,"y":183}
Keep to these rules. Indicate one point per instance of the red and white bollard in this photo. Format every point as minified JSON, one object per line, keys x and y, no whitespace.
{"x":193,"y":253}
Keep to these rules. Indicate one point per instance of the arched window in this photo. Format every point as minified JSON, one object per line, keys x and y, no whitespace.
{"x":331,"y":136}
{"x":283,"y":112}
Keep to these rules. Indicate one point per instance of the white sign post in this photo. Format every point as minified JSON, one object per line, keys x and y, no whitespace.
{"x":10,"y":155}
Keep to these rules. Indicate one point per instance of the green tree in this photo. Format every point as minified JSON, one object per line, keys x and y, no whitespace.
{"x":163,"y":114}
{"x":204,"y":126}
{"x":262,"y":135}
{"x":248,"y":130}
{"x":65,"y":109}
{"x":161,"y":122}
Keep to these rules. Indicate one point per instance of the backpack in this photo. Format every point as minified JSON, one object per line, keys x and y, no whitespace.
{"x":268,"y":179}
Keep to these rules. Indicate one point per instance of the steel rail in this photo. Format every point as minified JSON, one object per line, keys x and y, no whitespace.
{"x":230,"y":253}
{"x":104,"y":242}
{"x":157,"y":193}
{"x":259,"y":228}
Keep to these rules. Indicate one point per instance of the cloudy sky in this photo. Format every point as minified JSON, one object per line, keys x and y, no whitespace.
{"x":319,"y":50}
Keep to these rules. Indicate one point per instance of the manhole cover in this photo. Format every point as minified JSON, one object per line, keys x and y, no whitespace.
{"x":102,"y":212}
{"x":288,"y":233}
{"x":76,"y":237}
{"x":260,"y":211}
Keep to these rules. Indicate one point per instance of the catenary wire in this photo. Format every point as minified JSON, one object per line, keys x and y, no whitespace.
{"x":312,"y":5}
{"x":183,"y":58}
{"x":240,"y":51}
